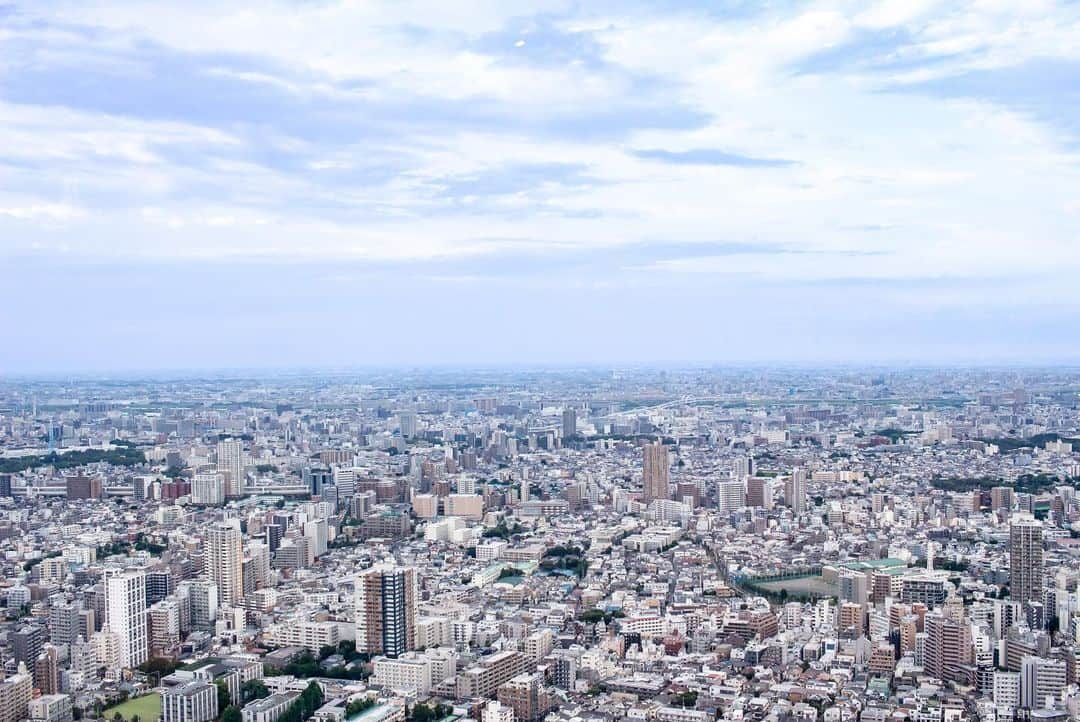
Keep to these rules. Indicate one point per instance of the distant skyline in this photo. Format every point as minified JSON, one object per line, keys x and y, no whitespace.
{"x":356,"y":184}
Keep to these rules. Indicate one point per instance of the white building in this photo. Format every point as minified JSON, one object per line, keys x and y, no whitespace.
{"x":125,"y":614}
{"x":195,"y":701}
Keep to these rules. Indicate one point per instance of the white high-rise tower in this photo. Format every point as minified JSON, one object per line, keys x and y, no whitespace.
{"x":125,"y":614}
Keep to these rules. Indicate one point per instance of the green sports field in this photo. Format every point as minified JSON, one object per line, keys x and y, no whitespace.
{"x":147,"y":708}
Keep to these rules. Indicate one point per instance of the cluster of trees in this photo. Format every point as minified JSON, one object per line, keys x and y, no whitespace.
{"x":143,"y":544}
{"x":561,"y":551}
{"x":302,"y":709}
{"x":1025,"y":483}
{"x":111,"y":548}
{"x":34,"y":562}
{"x":123,"y":456}
{"x":252,"y":690}
{"x":359,"y":705}
{"x":592,"y":616}
{"x":425,"y":713}
{"x":1012,"y":443}
{"x":304,"y":664}
{"x":175,"y":471}
{"x":892,"y":434}
{"x":502,"y":531}
{"x":685,"y":699}
{"x":576,"y":564}
{"x":346,"y":648}
{"x":158,"y":667}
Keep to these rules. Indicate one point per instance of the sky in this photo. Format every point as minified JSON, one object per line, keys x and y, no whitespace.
{"x":345,"y":183}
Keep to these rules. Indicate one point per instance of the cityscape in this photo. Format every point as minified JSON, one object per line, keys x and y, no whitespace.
{"x":677,"y":544}
{"x":559,"y":361}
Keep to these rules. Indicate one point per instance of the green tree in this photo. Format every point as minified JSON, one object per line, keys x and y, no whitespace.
{"x":232,"y":714}
{"x":254,"y":689}
{"x":224,"y":699}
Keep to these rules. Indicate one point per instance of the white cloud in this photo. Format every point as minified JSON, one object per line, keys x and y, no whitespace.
{"x":939,"y":187}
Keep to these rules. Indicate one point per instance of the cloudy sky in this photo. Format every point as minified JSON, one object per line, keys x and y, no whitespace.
{"x":364,"y":183}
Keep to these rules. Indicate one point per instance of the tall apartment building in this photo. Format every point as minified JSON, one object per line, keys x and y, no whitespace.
{"x":1026,"y":570}
{"x":569,"y":422}
{"x":83,"y":487}
{"x":27,"y":643}
{"x":125,"y":614}
{"x":230,"y":459}
{"x":948,"y":650}
{"x":759,"y":492}
{"x":386,"y":599}
{"x":64,"y":623}
{"x":225,"y":559}
{"x":47,"y":671}
{"x":730,"y":495}
{"x":526,"y":695}
{"x":15,"y":693}
{"x":656,"y":472}
{"x":483,"y":679}
{"x":1041,"y":681}
{"x":795,"y":491}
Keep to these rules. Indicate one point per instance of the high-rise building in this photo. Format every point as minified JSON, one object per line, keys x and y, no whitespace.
{"x":209,"y":487}
{"x":569,"y":422}
{"x":47,"y":671}
{"x":759,"y":492}
{"x":225,"y":559}
{"x":795,"y":491}
{"x":125,"y":614}
{"x":83,"y":487}
{"x":230,"y":459}
{"x":407,"y":422}
{"x":655,"y":472}
{"x":26,"y":644}
{"x":64,"y":623}
{"x":1006,"y":691}
{"x":159,"y":584}
{"x":730,"y":495}
{"x":1001,"y":497}
{"x":386,"y":598}
{"x":948,"y":648}
{"x":743,"y":467}
{"x":1026,"y":559}
{"x":525,"y":694}
{"x":317,"y":479}
{"x":15,"y":694}
{"x":1041,"y":681}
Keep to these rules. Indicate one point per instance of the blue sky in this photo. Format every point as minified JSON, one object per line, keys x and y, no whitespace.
{"x":365,"y":183}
